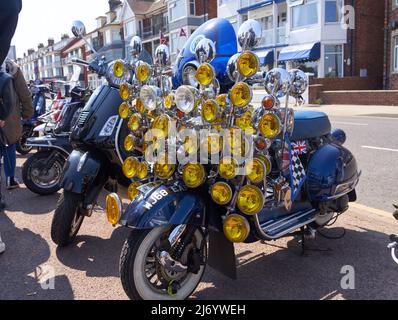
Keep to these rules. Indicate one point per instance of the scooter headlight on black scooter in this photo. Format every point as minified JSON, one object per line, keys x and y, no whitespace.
{"x":113,"y":208}
{"x":118,"y":72}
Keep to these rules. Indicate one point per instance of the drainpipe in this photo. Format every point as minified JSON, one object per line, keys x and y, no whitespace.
{"x":352,"y":44}
{"x":386,"y":33}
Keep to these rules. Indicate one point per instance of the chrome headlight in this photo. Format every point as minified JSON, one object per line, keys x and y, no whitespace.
{"x":185,"y":98}
{"x":151,"y":97}
{"x":189,"y":76}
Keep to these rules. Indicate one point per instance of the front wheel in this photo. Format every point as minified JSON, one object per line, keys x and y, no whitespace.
{"x":38,"y":177}
{"x":148,"y":273}
{"x":67,"y":219}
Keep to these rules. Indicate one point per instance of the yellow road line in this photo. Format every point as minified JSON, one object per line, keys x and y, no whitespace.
{"x":381,"y":213}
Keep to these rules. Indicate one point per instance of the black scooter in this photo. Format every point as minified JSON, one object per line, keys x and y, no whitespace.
{"x":96,"y":161}
{"x":41,"y":172}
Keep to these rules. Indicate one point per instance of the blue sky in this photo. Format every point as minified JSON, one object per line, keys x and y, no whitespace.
{"x":43,"y":19}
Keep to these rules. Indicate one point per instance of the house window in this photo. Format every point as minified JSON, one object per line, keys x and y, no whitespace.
{"x":192,"y":10}
{"x":129,"y":28}
{"x":395,"y":53}
{"x":305,"y":14}
{"x":333,"y":11}
{"x":178,"y":10}
{"x":333,"y":61}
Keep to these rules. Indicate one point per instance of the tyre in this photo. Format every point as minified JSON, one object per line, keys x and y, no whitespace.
{"x":139,"y":264}
{"x":67,"y":219}
{"x":41,"y":181}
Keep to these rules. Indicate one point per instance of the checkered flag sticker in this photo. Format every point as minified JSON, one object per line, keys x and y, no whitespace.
{"x":298,"y":174}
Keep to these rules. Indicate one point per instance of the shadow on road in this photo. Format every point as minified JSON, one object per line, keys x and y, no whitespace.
{"x":98,"y":257}
{"x":285,"y":274}
{"x":26,"y":253}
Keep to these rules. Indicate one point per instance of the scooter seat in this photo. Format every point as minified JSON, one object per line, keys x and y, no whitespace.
{"x":310,"y":124}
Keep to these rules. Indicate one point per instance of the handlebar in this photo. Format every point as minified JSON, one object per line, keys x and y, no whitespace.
{"x":80,"y":62}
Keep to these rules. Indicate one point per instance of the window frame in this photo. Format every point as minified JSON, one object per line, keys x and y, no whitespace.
{"x":334,"y":53}
{"x":341,"y":14}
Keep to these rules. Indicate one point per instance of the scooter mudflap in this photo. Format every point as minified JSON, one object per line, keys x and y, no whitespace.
{"x":222,"y":254}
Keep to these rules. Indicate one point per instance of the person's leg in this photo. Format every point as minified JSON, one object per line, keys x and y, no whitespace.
{"x":2,"y":204}
{"x":9,"y":11}
{"x":10,"y":162}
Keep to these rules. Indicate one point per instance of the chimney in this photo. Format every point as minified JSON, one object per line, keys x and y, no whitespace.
{"x":113,"y":4}
{"x":50,"y":42}
{"x":31,"y":51}
{"x":40,"y":46}
{"x":64,"y":36}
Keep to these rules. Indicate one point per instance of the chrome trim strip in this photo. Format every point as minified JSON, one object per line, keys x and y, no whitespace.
{"x":265,"y":236}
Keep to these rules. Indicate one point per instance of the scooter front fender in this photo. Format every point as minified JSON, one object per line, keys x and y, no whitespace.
{"x":160,"y":205}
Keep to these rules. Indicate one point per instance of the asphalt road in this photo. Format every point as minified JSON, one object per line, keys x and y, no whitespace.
{"x":89,"y":268}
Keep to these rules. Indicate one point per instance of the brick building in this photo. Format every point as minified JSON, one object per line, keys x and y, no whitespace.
{"x":391,"y":46}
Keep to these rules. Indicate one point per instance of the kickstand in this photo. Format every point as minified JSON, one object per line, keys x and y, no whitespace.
{"x":305,"y":248}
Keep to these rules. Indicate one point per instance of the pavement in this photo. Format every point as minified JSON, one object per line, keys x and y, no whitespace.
{"x":89,"y":268}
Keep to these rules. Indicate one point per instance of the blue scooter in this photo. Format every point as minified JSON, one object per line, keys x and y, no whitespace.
{"x":176,"y":232}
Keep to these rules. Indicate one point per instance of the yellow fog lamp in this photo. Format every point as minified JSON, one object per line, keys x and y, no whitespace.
{"x":134,"y":122}
{"x":132,"y":191}
{"x":162,"y":169}
{"x":228,"y":168}
{"x":270,"y":126}
{"x":210,"y":111}
{"x":139,"y":106}
{"x":119,"y":68}
{"x":255,"y":171}
{"x":205,"y":74}
{"x":241,"y":95}
{"x":267,"y":163}
{"x":214,"y":143}
{"x":236,"y":228}
{"x":142,"y":71}
{"x":129,"y":143}
{"x":142,"y":171}
{"x":245,"y":122}
{"x":221,"y":193}
{"x":250,"y":200}
{"x":130,"y":167}
{"x":162,"y":124}
{"x":193,"y":175}
{"x":169,"y":101}
{"x":124,"y":110}
{"x":113,"y":208}
{"x":222,"y":100}
{"x":125,"y":91}
{"x":190,"y":145}
{"x":248,"y":64}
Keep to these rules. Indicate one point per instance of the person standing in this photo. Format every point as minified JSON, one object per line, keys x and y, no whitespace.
{"x":12,"y":129}
{"x":9,"y":12}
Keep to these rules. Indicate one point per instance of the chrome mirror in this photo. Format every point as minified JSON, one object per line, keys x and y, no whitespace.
{"x":205,"y":51}
{"x":249,"y":34}
{"x":162,"y":55}
{"x":78,"y":29}
{"x":136,"y":46}
{"x":277,"y":82}
{"x":232,"y":68}
{"x":299,"y":82}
